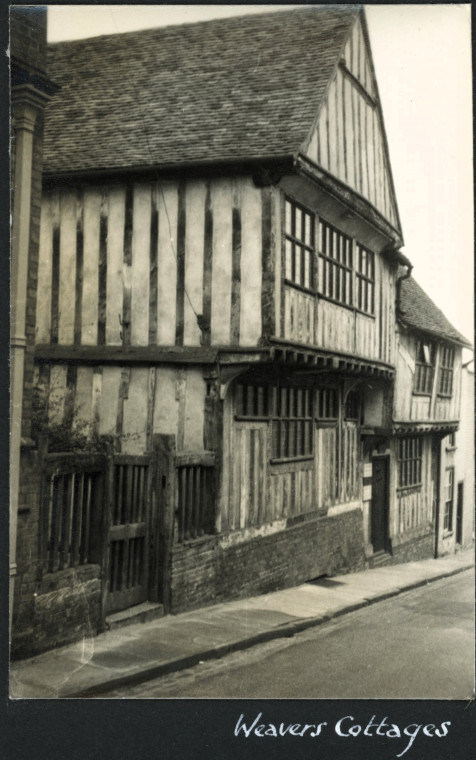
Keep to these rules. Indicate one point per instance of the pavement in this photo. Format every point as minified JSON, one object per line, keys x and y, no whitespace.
{"x":143,"y":651}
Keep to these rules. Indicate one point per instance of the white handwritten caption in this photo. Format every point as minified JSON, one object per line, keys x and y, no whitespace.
{"x":345,"y":727}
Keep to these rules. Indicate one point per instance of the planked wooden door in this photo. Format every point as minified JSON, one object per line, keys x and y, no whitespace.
{"x":379,"y":504}
{"x":127,"y":567}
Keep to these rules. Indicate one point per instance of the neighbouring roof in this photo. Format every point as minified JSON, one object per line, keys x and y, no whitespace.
{"x":419,"y":311}
{"x":229,"y":89}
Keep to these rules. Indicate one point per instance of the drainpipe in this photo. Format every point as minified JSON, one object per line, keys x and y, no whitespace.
{"x":399,"y":287}
{"x":27,"y":103}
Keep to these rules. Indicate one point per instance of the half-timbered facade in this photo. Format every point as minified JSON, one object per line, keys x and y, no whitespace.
{"x":426,"y":418}
{"x":219,"y":266}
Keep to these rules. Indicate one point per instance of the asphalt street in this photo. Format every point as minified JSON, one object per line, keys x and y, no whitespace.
{"x":418,"y":645}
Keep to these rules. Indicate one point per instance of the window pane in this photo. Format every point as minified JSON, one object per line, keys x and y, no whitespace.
{"x":288,"y":224}
{"x":289,"y":248}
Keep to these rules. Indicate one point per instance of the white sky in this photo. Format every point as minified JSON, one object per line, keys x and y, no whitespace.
{"x":422,"y":57}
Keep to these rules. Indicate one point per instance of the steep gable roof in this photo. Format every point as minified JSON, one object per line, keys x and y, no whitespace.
{"x":419,"y":311}
{"x":235,"y":88}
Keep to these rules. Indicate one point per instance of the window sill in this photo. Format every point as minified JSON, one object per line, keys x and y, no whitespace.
{"x":421,"y":393}
{"x":445,"y":395}
{"x":347,"y":306}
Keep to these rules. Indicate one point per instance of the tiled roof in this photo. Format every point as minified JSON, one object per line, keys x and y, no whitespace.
{"x":419,"y":311}
{"x":241,"y":87}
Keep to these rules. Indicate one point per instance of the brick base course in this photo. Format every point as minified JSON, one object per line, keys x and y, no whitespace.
{"x":204,"y":572}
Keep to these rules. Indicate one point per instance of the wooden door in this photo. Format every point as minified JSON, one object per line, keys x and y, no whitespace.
{"x":459,"y":514}
{"x":379,"y":504}
{"x":128,"y":534}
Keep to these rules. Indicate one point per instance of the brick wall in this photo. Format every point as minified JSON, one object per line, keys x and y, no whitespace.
{"x":28,"y":36}
{"x":206,"y":572}
{"x":421,"y":547}
{"x":52,"y":609}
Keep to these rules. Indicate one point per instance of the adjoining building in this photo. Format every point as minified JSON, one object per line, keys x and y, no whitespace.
{"x":220,"y":291}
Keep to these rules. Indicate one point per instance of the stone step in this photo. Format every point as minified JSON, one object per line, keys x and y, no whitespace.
{"x":379,"y":559}
{"x":140,"y":613}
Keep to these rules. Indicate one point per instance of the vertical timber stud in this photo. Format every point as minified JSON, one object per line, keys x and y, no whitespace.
{"x":154,"y":239}
{"x":127,"y":266}
{"x":267,"y":289}
{"x":236,"y":264}
{"x":207,"y":269}
{"x":181,"y":224}
{"x":123,"y":394}
{"x":78,"y":307}
{"x":164,"y":451}
{"x":102,"y":270}
{"x":55,"y":266}
{"x":213,"y":435}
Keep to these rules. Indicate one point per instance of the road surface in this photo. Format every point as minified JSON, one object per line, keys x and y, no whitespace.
{"x":418,"y":645}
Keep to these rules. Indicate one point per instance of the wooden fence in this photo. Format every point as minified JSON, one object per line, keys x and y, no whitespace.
{"x":72,"y":509}
{"x":195,"y":495}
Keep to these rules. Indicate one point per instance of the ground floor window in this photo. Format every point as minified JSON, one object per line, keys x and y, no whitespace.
{"x":449,"y":496}
{"x":409,"y":461}
{"x":292,"y":423}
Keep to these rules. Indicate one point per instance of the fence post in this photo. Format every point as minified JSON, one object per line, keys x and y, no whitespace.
{"x":164,"y":449}
{"x":105,"y":526}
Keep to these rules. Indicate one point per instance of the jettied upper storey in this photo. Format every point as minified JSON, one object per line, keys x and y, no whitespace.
{"x":285,"y":87}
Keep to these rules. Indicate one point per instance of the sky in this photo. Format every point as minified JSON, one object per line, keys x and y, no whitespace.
{"x":422,"y":57}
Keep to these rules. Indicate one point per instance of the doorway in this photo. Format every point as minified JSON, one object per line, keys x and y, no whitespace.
{"x":459,"y":514}
{"x":379,"y":504}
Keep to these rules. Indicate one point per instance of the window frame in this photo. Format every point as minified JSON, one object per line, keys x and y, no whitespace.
{"x":448,"y":514}
{"x":329,"y":264}
{"x":446,"y":370}
{"x":424,"y":369}
{"x":410,"y":461}
{"x":365,"y":280}
{"x":305,"y":244}
{"x":291,"y":428}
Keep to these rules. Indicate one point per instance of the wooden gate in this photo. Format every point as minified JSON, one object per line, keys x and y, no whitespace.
{"x":131,"y":515}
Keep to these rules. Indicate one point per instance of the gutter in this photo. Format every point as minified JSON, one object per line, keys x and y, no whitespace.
{"x":259,"y":165}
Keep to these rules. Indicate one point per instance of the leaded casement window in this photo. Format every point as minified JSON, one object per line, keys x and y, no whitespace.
{"x":289,"y":409}
{"x":409,"y":461}
{"x":449,"y":499}
{"x":424,"y":367}
{"x":299,"y":245}
{"x":292,"y":423}
{"x":335,"y":265}
{"x":327,"y":406}
{"x":445,"y":377}
{"x":365,"y":280}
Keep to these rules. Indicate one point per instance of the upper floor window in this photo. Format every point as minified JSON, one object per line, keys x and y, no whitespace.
{"x":299,"y":235}
{"x":409,"y":461}
{"x":365,"y":280}
{"x":445,"y":381}
{"x":335,"y":264}
{"x":424,"y":367}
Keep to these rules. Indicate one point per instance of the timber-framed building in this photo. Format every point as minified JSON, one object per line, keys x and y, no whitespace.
{"x":220,"y":290}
